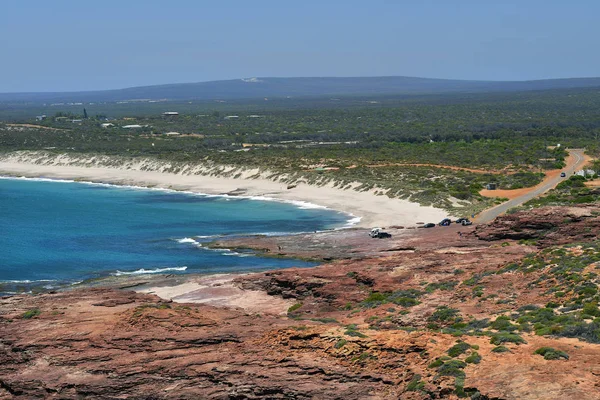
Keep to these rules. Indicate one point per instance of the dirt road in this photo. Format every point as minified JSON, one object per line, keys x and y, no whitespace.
{"x":575,"y":161}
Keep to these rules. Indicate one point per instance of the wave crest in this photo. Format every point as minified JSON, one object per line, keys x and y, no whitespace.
{"x":149,"y":271}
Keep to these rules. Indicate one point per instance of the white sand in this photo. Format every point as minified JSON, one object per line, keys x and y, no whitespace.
{"x":219,"y":291}
{"x":373,"y":210}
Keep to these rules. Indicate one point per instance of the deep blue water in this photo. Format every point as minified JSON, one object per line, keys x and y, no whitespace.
{"x":67,"y":232}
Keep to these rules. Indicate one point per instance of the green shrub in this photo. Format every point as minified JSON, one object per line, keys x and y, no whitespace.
{"x":505,"y":337}
{"x":325,"y":320}
{"x":551,"y":354}
{"x":294,"y":307}
{"x":340,"y":343}
{"x":452,"y":368}
{"x":404,"y":298}
{"x":443,"y":313}
{"x":34,"y":312}
{"x":474,"y":358}
{"x":458,"y":349}
{"x":591,"y":309}
{"x":438,"y":361}
{"x":502,"y":323}
{"x":352,"y":330}
{"x":500,"y":349}
{"x":415,"y":384}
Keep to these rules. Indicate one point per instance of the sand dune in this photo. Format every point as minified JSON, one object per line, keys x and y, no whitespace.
{"x":372,"y":210}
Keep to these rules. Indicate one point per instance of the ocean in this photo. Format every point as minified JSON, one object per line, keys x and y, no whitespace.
{"x":56,"y":233}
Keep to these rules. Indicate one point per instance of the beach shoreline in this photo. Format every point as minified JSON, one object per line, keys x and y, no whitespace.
{"x":372,"y":210}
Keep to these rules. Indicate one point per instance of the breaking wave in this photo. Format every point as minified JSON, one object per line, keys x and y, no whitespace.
{"x":149,"y":271}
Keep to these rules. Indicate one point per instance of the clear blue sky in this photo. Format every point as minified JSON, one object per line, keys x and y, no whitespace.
{"x":63,"y":45}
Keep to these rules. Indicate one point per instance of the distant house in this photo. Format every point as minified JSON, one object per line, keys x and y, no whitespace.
{"x":231,"y":117}
{"x":107,"y":125}
{"x":131,"y":126}
{"x":172,"y":133}
{"x":170,"y":113}
{"x":490,"y":186}
{"x":76,"y":121}
{"x":40,"y":118}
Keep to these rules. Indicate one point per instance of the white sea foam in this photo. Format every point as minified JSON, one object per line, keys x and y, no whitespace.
{"x":351,"y":222}
{"x":149,"y":271}
{"x":190,"y":241}
{"x":28,"y":281}
{"x":186,"y":240}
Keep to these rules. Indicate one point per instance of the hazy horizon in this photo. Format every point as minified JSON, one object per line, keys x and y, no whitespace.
{"x":81,"y":46}
{"x":295,"y":77}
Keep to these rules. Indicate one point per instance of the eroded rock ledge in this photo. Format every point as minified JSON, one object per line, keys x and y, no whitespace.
{"x":380,"y":325}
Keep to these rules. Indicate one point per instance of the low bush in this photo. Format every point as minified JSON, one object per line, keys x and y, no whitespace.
{"x":415,"y":384}
{"x":500,"y":349}
{"x":474,"y":358}
{"x":34,"y":312}
{"x":505,"y":337}
{"x":443,"y":314}
{"x":294,"y":307}
{"x":458,"y":349}
{"x":551,"y":354}
{"x":452,"y":368}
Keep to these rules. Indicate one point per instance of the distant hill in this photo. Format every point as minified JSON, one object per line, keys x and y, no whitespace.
{"x":300,"y":87}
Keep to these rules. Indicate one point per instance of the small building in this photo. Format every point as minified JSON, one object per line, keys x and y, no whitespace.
{"x":231,"y":117}
{"x":131,"y":126}
{"x":76,"y":121}
{"x":491,"y":186}
{"x":170,"y":113}
{"x":41,"y":117}
{"x":172,"y":133}
{"x":107,"y":125}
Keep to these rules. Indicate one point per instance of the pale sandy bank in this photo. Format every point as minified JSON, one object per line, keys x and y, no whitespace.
{"x":219,"y":291}
{"x":372,"y":210}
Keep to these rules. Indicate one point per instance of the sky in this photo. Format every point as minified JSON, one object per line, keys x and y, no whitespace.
{"x":67,"y":45}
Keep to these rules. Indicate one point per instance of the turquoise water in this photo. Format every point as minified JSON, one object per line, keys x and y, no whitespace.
{"x":59,"y":232}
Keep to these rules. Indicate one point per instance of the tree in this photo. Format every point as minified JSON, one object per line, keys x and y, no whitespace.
{"x":85,"y":116}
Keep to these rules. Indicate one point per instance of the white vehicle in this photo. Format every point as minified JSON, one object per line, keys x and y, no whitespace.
{"x":379,"y":233}
{"x":374,"y":232}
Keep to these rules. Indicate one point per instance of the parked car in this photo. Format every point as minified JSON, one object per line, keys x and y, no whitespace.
{"x":379,"y":233}
{"x":374,"y":232}
{"x":445,"y":222}
{"x":466,"y":222}
{"x":563,"y":174}
{"x":460,"y":220}
{"x":429,"y":225}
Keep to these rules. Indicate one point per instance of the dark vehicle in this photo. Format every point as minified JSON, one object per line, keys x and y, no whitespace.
{"x":379,"y":234}
{"x":429,"y":225}
{"x":466,"y":222}
{"x":562,"y":174}
{"x":460,"y":220}
{"x":445,"y":222}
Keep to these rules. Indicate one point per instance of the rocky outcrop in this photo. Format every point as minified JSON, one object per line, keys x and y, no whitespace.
{"x":378,"y":326}
{"x":548,"y":225}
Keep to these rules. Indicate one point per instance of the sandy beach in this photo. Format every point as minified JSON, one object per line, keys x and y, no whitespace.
{"x":372,"y":210}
